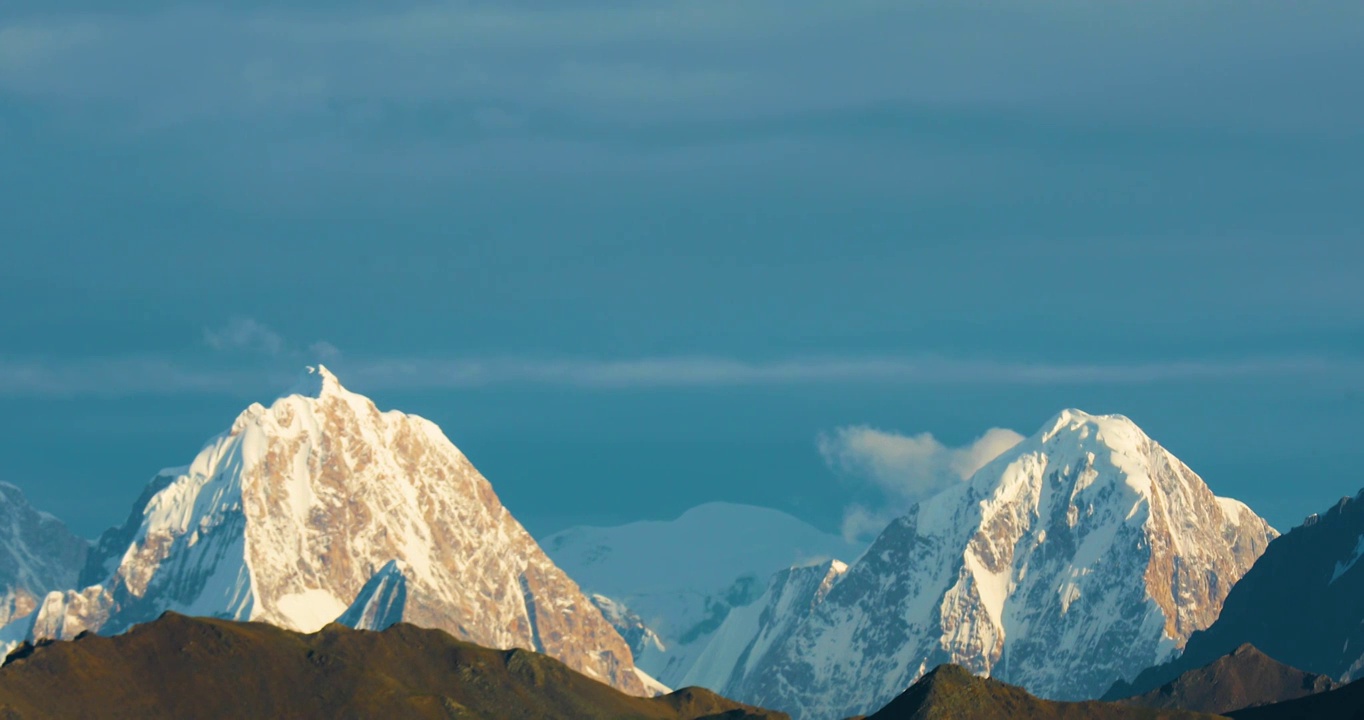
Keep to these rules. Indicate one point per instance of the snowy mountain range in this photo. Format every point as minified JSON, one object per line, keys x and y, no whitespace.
{"x":38,"y":554}
{"x":669,"y":585}
{"x":1083,"y":555}
{"x":318,"y":508}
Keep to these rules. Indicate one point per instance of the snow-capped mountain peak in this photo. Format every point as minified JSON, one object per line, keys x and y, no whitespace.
{"x":1117,"y":429}
{"x":302,"y":505}
{"x":317,"y":381}
{"x":1085,"y":553}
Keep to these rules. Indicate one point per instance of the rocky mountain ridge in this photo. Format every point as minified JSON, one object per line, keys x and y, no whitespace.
{"x":178,"y":667}
{"x":1241,"y":679}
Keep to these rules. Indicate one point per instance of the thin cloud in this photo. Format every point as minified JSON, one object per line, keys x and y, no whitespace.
{"x":244,"y":334}
{"x":323,"y":350}
{"x":125,"y":376}
{"x":903,"y":469}
{"x":117,"y":377}
{"x":712,"y":371}
{"x":250,"y":336}
{"x":713,"y":60}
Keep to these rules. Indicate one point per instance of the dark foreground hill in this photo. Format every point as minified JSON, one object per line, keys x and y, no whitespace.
{"x":1346,"y":703}
{"x":1241,"y":679}
{"x":952,"y":693}
{"x":181,"y":668}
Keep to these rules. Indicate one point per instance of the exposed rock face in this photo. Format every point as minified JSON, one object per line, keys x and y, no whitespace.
{"x":1085,"y":554}
{"x":1302,"y":604}
{"x":287,"y":516}
{"x":38,"y":554}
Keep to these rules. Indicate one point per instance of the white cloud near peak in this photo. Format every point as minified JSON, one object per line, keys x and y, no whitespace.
{"x":250,"y":336}
{"x":244,"y":334}
{"x":903,"y":469}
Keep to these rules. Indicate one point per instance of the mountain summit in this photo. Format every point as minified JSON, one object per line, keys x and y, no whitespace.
{"x":1082,"y":555}
{"x":321,"y":506}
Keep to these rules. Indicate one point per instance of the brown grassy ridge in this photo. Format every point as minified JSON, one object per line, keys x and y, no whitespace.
{"x":1241,"y":679}
{"x":952,"y":693}
{"x":181,"y":668}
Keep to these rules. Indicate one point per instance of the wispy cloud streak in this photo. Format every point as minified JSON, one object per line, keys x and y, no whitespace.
{"x":115,"y":377}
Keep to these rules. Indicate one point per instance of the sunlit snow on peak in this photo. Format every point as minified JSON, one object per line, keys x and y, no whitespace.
{"x":1109,"y":429}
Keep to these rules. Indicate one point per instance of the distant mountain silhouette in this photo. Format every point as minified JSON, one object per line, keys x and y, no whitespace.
{"x":952,"y":693}
{"x":1242,"y":679}
{"x":181,"y":668}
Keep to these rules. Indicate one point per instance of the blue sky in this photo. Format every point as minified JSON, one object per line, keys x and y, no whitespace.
{"x":636,"y":256}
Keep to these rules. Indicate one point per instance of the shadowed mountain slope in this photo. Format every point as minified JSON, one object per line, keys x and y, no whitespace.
{"x":1302,"y":603}
{"x":1346,"y":703}
{"x":1244,"y":678}
{"x":179,"y":667}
